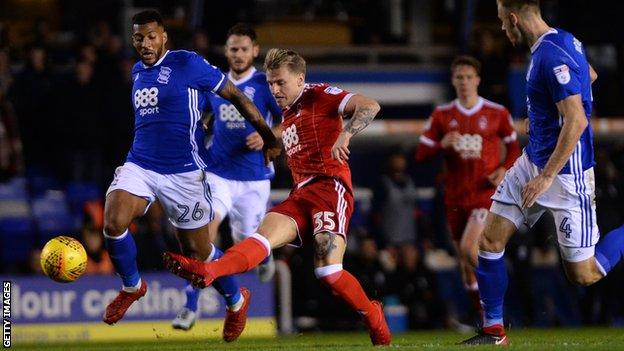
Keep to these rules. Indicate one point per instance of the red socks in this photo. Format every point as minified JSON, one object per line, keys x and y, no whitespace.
{"x":240,"y":258}
{"x":344,"y":285}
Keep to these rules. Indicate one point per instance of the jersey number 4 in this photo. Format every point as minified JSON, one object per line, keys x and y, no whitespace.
{"x":324,"y":221}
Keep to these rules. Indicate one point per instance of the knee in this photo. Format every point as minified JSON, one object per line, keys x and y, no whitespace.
{"x":323,"y":244}
{"x":582,"y":278}
{"x":115,"y":225}
{"x":490,"y":244}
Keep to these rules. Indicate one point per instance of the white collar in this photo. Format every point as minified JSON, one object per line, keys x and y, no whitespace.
{"x":157,"y":62}
{"x":244,"y":79}
{"x":539,"y":40}
{"x":470,"y":111}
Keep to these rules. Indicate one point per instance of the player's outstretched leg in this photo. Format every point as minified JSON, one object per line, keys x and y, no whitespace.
{"x":122,"y":251}
{"x":228,"y":288}
{"x":238,"y":259}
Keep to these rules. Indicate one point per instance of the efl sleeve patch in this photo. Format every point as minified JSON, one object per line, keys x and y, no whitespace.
{"x":562,"y":73}
{"x":333,"y":90}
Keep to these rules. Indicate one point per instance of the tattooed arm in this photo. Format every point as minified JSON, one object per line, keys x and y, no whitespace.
{"x":362,"y":110}
{"x":248,"y":110}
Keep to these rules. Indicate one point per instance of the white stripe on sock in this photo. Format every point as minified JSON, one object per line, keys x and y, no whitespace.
{"x":264,"y":242}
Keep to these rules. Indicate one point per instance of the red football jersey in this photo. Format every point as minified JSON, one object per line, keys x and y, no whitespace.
{"x":477,"y":154}
{"x":310,"y":128}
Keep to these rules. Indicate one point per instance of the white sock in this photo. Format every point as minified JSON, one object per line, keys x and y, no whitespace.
{"x":237,"y":306}
{"x":132,"y":289}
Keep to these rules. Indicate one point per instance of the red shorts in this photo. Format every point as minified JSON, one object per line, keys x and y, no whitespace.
{"x":323,"y":205}
{"x":458,"y":217}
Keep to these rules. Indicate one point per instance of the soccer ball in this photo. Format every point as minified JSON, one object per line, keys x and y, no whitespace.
{"x":63,"y":259}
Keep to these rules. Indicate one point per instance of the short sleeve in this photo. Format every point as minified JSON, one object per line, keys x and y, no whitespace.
{"x":433,"y":131}
{"x":204,"y":76}
{"x":561,"y":74}
{"x":335,"y":98}
{"x":506,"y":129}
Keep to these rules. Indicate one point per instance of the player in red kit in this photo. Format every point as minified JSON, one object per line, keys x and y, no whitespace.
{"x":469,"y":131}
{"x":319,"y":207}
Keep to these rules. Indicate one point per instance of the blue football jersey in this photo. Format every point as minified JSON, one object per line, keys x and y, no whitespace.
{"x":168,"y":98}
{"x":227,"y":154}
{"x":558,"y":69}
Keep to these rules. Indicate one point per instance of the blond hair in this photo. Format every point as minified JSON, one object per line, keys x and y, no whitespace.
{"x":276,"y":58}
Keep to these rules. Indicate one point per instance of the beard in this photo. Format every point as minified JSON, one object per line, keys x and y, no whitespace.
{"x":517,"y":37}
{"x":240,"y":68}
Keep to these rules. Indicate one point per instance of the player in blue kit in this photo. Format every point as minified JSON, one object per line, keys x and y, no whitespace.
{"x":164,"y":162}
{"x":238,"y":176}
{"x":555,"y":172}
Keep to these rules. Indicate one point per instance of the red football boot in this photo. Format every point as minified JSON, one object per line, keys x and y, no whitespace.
{"x":235,"y":321}
{"x":190,"y":269}
{"x":377,"y":326}
{"x":118,"y":307}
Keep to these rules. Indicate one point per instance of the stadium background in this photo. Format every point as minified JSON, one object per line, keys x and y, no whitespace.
{"x":66,"y":123}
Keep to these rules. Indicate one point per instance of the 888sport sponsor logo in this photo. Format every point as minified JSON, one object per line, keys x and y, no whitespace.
{"x":290,"y":139}
{"x":229,"y":115}
{"x":469,"y":146}
{"x":146,"y":101}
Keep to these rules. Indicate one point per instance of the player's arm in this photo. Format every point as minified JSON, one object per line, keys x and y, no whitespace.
{"x":574,"y":124}
{"x":362,"y":110}
{"x":249,"y":111}
{"x":431,"y":141}
{"x":253,"y":140}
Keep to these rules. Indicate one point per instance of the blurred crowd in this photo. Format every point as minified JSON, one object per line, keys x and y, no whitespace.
{"x":66,"y":123}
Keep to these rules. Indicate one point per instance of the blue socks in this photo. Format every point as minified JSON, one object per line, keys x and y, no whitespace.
{"x":226,"y":286}
{"x":493,"y":280}
{"x":122,"y":251}
{"x":192,"y":297}
{"x":610,"y":249}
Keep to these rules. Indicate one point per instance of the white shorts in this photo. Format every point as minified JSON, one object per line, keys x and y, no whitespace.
{"x":245,"y":202}
{"x":570,"y":199}
{"x":185,"y":197}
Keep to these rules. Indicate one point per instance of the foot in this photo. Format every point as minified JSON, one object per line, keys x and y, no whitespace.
{"x":235,"y":321}
{"x":185,"y":319}
{"x":493,"y":335}
{"x":377,"y":326}
{"x":195,"y":271}
{"x":266,"y":271}
{"x":118,"y":307}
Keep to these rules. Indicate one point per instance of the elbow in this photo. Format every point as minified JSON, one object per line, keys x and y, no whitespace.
{"x":584,"y":122}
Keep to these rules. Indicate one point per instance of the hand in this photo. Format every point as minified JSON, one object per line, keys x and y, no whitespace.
{"x":497,"y":176}
{"x":450,"y":139}
{"x":340,"y":150}
{"x":534,"y":188}
{"x":271,"y":150}
{"x":254,"y":141}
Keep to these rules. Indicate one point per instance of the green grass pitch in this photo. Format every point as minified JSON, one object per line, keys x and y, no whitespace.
{"x":611,"y":339}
